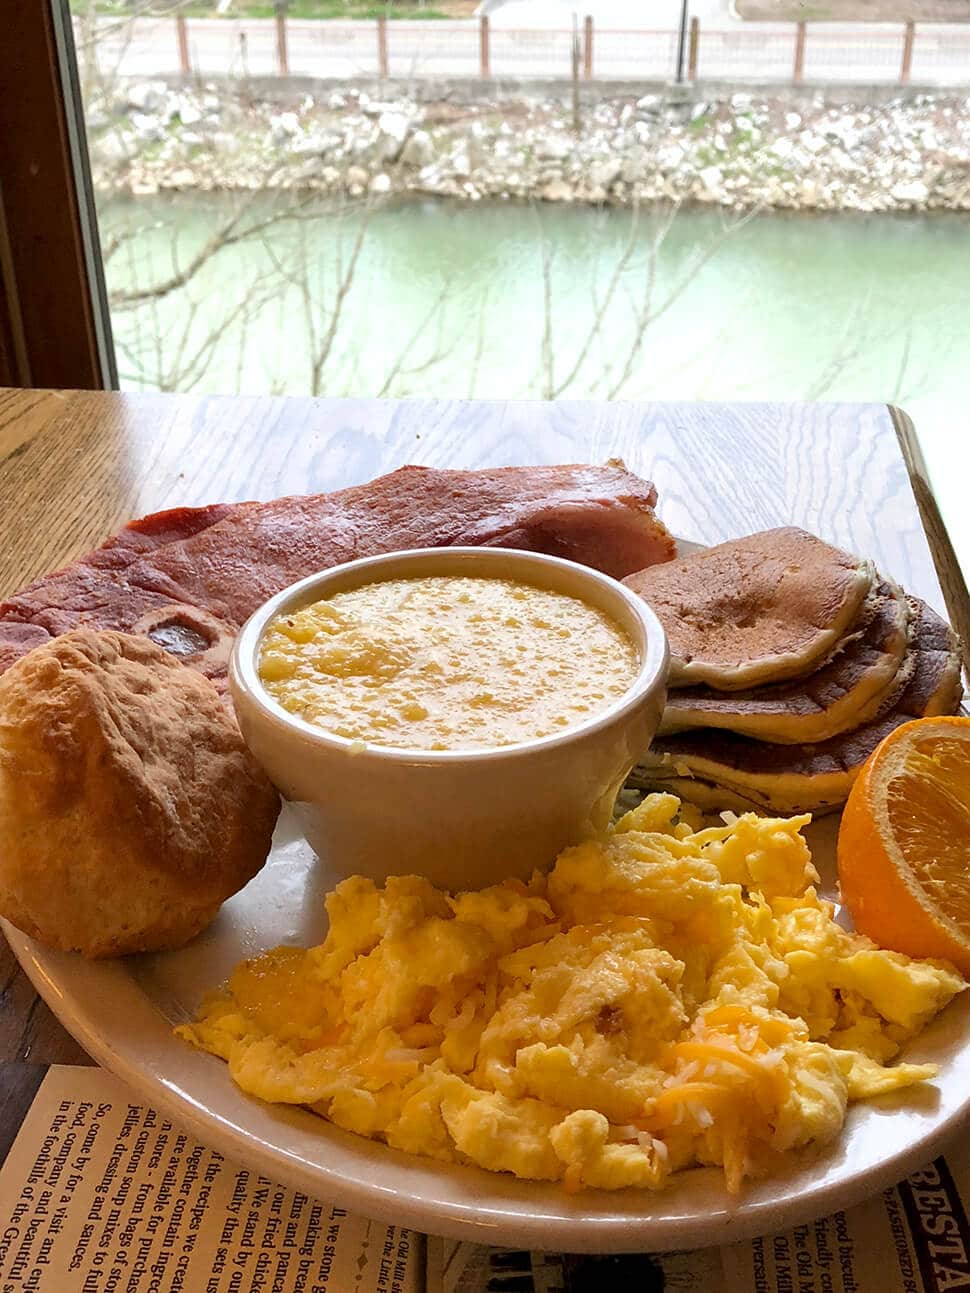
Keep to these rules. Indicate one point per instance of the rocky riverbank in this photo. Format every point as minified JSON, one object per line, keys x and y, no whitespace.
{"x":737,"y":150}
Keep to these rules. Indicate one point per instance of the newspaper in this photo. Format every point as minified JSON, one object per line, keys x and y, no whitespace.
{"x":912,"y":1238}
{"x":101,"y":1194}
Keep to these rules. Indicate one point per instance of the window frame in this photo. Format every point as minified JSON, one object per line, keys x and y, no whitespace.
{"x":55,"y":328}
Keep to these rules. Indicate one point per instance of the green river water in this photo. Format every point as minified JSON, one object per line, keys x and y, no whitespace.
{"x":516,"y":301}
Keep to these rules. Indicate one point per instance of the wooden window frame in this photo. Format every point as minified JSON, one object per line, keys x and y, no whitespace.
{"x":55,"y":329}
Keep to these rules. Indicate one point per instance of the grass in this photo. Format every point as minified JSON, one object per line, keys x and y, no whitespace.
{"x":295,"y":8}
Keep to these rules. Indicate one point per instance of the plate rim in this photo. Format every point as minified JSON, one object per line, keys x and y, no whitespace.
{"x":620,"y":1232}
{"x":468,"y":1219}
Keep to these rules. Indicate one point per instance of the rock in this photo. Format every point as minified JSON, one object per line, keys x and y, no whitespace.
{"x":745,"y":148}
{"x":115,"y":148}
{"x":146,"y":96}
{"x":479,"y":154}
{"x":843,"y":162}
{"x":227,"y":143}
{"x":635,"y":167}
{"x":604,"y":174}
{"x":362,"y":144}
{"x":373,"y":108}
{"x":954,"y":161}
{"x":553,"y":148}
{"x":670,"y":157}
{"x":910,"y":191}
{"x":309,"y":171}
{"x":557,"y":191}
{"x":711,"y":177}
{"x":147,"y":127}
{"x":283,"y":128}
{"x":418,"y":150}
{"x":392,"y":129}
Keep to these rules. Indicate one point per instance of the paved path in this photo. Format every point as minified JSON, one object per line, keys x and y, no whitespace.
{"x":757,"y":52}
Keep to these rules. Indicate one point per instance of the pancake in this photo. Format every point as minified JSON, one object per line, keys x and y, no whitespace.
{"x":705,"y":795}
{"x":845,"y":692}
{"x":811,"y":778}
{"x":755,"y":610}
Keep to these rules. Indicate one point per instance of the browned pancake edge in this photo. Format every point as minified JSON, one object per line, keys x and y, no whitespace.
{"x":815,"y":777}
{"x":844,"y":692}
{"x":755,"y":610}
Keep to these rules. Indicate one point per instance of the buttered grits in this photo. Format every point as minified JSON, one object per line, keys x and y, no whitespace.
{"x":447,"y":662}
{"x":667,"y":995}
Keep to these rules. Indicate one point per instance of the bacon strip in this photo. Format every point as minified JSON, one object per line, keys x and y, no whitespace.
{"x":190,"y":577}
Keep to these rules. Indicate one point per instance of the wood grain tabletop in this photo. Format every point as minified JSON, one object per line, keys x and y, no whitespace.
{"x":75,"y":466}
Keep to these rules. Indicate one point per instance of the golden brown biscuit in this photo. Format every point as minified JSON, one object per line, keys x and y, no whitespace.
{"x":130,"y":808}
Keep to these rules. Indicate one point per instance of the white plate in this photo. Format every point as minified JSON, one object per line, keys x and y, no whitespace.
{"x":122,"y":1013}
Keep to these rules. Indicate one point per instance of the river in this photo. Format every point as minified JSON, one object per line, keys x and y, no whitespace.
{"x":510,"y":301}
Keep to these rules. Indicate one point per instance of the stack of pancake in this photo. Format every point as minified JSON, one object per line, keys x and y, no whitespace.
{"x":790,"y":661}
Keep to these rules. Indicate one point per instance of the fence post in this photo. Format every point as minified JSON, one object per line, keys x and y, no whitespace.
{"x":907,"y":64}
{"x":799,"y":69}
{"x":588,"y":47}
{"x":693,"y":49}
{"x":382,"y":64}
{"x":484,"y":51}
{"x":182,"y":32}
{"x":282,"y":55}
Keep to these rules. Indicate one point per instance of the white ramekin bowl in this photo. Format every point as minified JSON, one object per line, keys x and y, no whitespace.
{"x":462,"y":818}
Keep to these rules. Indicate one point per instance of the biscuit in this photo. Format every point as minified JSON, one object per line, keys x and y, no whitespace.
{"x":130,"y":807}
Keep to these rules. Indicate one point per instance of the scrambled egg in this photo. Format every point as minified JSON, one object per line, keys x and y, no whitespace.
{"x":666,"y":996}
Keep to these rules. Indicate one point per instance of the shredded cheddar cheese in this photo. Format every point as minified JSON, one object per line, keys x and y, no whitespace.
{"x":669,"y":995}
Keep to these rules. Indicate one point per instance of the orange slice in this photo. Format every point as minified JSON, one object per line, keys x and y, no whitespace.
{"x":904,"y":842}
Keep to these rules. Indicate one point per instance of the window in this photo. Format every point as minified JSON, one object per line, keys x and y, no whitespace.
{"x":516,"y":199}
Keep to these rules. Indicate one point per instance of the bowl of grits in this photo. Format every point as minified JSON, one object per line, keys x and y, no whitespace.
{"x":459,"y":713}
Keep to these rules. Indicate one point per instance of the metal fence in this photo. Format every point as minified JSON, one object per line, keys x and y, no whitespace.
{"x":877,"y":54}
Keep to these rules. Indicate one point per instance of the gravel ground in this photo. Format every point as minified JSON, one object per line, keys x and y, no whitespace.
{"x":854,"y":10}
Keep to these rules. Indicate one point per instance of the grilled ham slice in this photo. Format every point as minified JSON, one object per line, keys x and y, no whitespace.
{"x":189,"y":578}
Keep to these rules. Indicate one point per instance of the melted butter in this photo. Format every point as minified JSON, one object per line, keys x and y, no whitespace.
{"x":447,"y":662}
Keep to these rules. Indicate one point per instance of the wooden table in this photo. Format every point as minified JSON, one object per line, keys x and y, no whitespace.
{"x":74,"y":466}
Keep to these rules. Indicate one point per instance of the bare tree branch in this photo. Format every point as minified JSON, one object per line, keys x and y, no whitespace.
{"x":409,"y":345}
{"x":231,"y":232}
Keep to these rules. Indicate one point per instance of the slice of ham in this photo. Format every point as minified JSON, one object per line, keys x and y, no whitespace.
{"x":190,"y":577}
